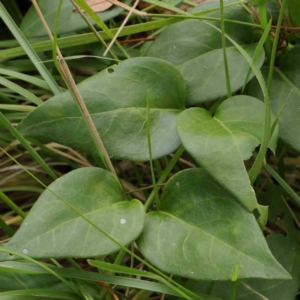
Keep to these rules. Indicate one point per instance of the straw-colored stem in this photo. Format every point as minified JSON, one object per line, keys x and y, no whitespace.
{"x":65,"y":72}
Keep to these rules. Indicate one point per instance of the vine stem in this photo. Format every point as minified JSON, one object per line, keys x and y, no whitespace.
{"x":66,"y":74}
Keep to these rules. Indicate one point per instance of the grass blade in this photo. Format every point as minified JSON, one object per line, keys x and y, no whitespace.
{"x":227,"y":75}
{"x":23,"y":92}
{"x":283,"y":184}
{"x":27,"y":78}
{"x":258,"y":49}
{"x":26,"y":145}
{"x":28,"y":49}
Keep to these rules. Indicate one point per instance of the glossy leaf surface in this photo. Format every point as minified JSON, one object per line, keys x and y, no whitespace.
{"x":221,"y":143}
{"x":285,"y":93}
{"x":52,"y":229}
{"x":196,"y":49}
{"x":117,"y":101}
{"x":202,"y":232}
{"x":69,"y":20}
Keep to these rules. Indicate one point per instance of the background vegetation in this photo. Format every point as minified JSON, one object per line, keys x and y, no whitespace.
{"x":162,"y":166}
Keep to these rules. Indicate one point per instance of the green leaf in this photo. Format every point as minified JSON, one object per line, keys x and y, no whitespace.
{"x":285,"y":89}
{"x":184,"y":41}
{"x":29,"y":268}
{"x":201,"y":232}
{"x":52,"y":229}
{"x":19,"y":281}
{"x":69,"y":21}
{"x":117,"y":101}
{"x":196,"y":49}
{"x":44,"y":294}
{"x":221,"y":143}
{"x":285,"y":249}
{"x":294,"y":11}
{"x":205,"y":74}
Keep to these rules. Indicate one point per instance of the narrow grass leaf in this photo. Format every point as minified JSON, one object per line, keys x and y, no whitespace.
{"x":27,"y":48}
{"x":258,"y":50}
{"x":15,"y":107}
{"x":26,"y":145}
{"x":40,"y":264}
{"x":21,"y":91}
{"x":90,"y":276}
{"x":27,"y":78}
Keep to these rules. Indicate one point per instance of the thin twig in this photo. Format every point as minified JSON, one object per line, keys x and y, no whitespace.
{"x":145,"y":188}
{"x":92,"y":28}
{"x":121,"y":27}
{"x":128,"y":8}
{"x":291,"y":212}
{"x":253,"y":291}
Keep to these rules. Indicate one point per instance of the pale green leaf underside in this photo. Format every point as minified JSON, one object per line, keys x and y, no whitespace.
{"x":52,"y":229}
{"x":201,"y":232}
{"x":117,"y":101}
{"x":221,"y":143}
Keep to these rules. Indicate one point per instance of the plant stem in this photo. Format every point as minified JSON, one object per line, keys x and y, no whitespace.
{"x":258,"y":163}
{"x":150,"y":150}
{"x":66,"y":74}
{"x":93,"y":28}
{"x":275,"y":43}
{"x":227,"y":75}
{"x":283,"y":184}
{"x":164,"y":175}
{"x":264,"y":23}
{"x":12,"y":205}
{"x":26,"y":145}
{"x":28,"y":49}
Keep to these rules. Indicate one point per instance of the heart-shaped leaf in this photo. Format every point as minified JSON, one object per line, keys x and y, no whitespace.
{"x":196,"y":49}
{"x":53,"y":229}
{"x":117,"y":101}
{"x":221,"y":143}
{"x":285,"y":93}
{"x":202,"y":232}
{"x":68,"y":21}
{"x":286,"y":250}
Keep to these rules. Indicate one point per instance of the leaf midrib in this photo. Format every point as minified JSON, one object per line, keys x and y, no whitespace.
{"x":213,"y":237}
